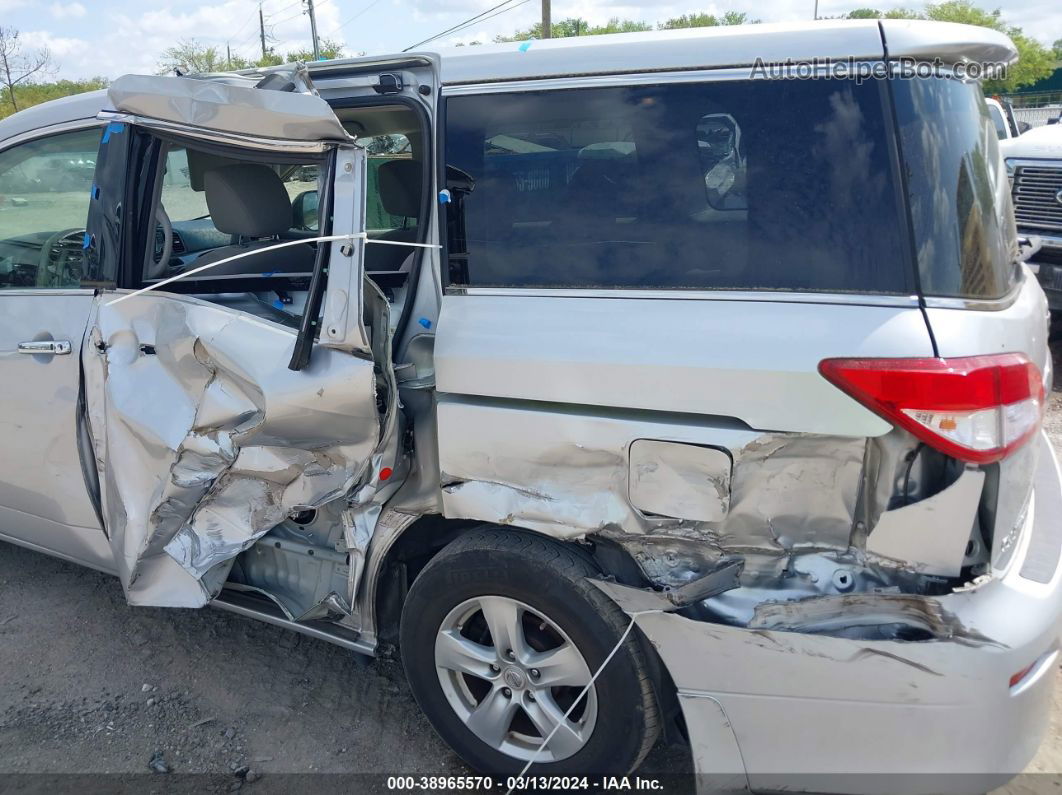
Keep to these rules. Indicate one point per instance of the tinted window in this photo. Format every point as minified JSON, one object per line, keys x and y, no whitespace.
{"x":741,"y":185}
{"x":383,"y":149}
{"x":44,"y":198}
{"x":960,"y":205}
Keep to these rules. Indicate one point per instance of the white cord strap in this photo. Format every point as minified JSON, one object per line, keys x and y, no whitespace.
{"x":582,"y":694}
{"x":284,"y":244}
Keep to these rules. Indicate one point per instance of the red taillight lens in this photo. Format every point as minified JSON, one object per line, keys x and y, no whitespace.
{"x":976,"y":408}
{"x":1021,"y":674}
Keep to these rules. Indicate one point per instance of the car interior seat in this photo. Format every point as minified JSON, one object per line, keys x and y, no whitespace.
{"x":249,"y":202}
{"x":400,"y":194}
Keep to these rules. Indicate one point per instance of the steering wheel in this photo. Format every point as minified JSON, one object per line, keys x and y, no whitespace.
{"x":160,"y":268}
{"x":58,"y":253}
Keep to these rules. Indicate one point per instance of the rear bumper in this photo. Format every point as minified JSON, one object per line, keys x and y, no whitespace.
{"x":786,"y":710}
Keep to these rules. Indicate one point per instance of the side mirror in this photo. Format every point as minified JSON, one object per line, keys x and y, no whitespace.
{"x":304,"y":211}
{"x":1023,"y":127}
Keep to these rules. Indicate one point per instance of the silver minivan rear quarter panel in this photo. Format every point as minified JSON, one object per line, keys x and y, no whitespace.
{"x":754,"y":361}
{"x":542,"y":399}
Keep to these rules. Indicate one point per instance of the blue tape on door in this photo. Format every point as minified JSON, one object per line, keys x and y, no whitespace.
{"x":114,"y":128}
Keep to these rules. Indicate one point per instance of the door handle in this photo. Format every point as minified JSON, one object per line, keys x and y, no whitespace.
{"x":47,"y":347}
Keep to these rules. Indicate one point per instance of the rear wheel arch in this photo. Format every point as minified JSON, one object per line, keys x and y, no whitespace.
{"x":549,"y":577}
{"x":415,"y":547}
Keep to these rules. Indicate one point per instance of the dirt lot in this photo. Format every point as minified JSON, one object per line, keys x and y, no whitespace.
{"x":89,"y":685}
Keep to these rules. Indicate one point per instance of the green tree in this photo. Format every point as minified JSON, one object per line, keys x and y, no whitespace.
{"x":863,"y":13}
{"x":1056,"y":48}
{"x":873,"y":13}
{"x":30,"y":94}
{"x":18,"y":67}
{"x":189,"y":55}
{"x":576,"y":26}
{"x":1035,"y":61}
{"x":703,"y":20}
{"x":192,"y":56}
{"x":329,"y":48}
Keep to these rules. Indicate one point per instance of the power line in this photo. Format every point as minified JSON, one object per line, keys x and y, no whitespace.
{"x":289,"y":5}
{"x":466,"y":23}
{"x":298,"y":13}
{"x":496,"y":14}
{"x":367,"y":8}
{"x":241,"y":27}
{"x":458,"y":25}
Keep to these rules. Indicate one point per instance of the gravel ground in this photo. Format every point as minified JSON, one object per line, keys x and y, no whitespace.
{"x":89,"y":685}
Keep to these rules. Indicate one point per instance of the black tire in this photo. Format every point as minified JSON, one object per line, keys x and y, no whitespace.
{"x":550,"y":578}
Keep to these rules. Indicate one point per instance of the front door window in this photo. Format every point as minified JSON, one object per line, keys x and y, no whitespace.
{"x":44,"y":197}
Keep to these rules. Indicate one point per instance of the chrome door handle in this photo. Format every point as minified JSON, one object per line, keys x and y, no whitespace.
{"x":47,"y":347}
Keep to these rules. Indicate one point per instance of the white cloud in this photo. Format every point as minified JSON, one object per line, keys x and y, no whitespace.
{"x":67,"y":11}
{"x":59,"y":46}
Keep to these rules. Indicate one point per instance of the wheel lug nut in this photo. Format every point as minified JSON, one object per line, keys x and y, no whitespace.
{"x":507,"y":692}
{"x":530,"y":696}
{"x":510,"y":654}
{"x":534,"y":673}
{"x":494,"y":668}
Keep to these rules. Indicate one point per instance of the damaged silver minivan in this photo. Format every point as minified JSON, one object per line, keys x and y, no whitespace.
{"x":626,"y":391}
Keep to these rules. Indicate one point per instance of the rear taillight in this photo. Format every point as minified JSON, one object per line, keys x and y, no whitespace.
{"x":976,"y":408}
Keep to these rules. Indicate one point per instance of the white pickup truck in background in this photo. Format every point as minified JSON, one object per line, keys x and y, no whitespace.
{"x":1034,"y":165}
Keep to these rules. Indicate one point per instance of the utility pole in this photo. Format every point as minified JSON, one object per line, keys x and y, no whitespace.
{"x":816,"y":10}
{"x":547,"y":24}
{"x":313,"y":31}
{"x":261,"y":28}
{"x":228,"y":56}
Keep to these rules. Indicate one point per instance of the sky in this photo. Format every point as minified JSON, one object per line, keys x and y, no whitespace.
{"x":114,"y":37}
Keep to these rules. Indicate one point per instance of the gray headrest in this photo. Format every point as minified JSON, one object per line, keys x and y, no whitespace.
{"x":399,"y":182}
{"x":247,"y":199}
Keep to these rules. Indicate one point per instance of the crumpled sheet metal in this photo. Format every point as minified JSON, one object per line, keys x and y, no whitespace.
{"x":566,"y":474}
{"x":794,"y":492}
{"x":839,"y":613}
{"x":562,"y":473}
{"x":227,"y":107}
{"x":881,"y":686}
{"x":205,"y":440}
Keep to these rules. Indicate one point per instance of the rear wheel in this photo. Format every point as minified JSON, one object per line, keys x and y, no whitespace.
{"x":501,"y":634}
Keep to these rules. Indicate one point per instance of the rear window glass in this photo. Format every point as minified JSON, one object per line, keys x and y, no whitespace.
{"x":776,"y":185}
{"x":960,"y":206}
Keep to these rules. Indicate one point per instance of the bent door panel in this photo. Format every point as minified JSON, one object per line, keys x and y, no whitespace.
{"x":205,"y":439}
